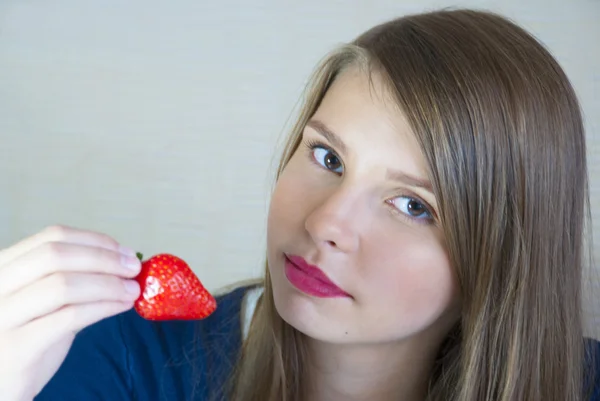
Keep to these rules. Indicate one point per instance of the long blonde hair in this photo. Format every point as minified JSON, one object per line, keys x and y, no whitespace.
{"x":501,"y":129}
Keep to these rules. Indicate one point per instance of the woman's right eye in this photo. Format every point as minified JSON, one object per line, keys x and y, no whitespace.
{"x":327,"y":158}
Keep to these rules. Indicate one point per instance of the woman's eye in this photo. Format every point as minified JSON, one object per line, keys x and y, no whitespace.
{"x":411,"y":207}
{"x":327,"y":159}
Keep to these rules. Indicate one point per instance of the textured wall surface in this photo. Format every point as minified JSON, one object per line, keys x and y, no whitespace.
{"x":157,"y":122}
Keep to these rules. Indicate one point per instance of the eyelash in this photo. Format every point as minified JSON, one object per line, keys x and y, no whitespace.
{"x":426,"y":221}
{"x":312,"y":144}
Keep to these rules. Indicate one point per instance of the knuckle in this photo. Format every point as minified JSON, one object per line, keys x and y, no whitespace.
{"x":110,"y":259}
{"x":60,"y":285}
{"x":109,"y":241}
{"x":54,"y":251}
{"x":57,"y":231}
{"x":60,"y":281}
{"x":109,"y":286}
{"x":68,"y":316}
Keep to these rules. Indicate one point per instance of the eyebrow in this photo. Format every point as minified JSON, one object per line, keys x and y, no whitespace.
{"x":328,"y":134}
{"x":394,"y":175}
{"x":410,"y":180}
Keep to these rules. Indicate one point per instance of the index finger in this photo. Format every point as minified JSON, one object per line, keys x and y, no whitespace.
{"x":59,"y":233}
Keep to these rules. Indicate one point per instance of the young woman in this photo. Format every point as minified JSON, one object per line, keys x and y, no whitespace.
{"x":425,"y":242}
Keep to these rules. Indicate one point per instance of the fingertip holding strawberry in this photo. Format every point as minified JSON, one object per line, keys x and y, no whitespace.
{"x":171,"y":291}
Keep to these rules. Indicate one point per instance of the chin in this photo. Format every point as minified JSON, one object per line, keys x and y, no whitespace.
{"x":317,"y":318}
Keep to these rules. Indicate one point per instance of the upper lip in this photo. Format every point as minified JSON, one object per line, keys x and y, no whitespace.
{"x":312,"y":270}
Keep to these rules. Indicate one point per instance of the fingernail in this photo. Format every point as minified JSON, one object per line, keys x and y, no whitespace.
{"x":130,"y":262}
{"x":131,"y":286}
{"x":126,"y":251}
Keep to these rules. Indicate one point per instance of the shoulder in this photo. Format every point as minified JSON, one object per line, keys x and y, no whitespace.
{"x":125,"y":355}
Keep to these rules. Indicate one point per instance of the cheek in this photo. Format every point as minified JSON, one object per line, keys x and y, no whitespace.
{"x":289,"y":204}
{"x":283,"y":208}
{"x":409,"y":275}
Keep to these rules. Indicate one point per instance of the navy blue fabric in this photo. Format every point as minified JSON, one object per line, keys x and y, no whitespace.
{"x":592,"y":360}
{"x":126,"y":358}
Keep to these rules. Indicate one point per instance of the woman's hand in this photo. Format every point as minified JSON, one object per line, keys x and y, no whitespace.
{"x":52,"y":285}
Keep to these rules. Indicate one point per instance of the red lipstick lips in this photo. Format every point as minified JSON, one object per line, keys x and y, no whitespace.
{"x":310,"y":279}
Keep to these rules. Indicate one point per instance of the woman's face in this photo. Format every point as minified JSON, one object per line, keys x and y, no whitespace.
{"x":355,"y":251}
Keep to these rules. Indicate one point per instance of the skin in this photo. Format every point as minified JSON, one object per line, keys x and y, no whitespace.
{"x":348,"y":207}
{"x":52,"y":285}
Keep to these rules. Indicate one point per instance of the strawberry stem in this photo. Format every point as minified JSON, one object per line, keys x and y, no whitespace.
{"x":140,"y":256}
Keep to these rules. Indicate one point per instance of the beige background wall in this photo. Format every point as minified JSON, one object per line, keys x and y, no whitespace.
{"x":157,"y":121}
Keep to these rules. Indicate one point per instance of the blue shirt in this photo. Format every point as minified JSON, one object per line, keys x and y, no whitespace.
{"x":125,"y":358}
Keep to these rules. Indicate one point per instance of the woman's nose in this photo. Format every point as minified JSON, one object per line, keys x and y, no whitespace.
{"x":333,"y":223}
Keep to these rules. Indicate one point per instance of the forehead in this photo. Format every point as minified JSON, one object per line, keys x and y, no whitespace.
{"x":361,"y":110}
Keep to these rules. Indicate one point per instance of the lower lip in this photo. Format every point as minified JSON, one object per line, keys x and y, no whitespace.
{"x":309,"y":284}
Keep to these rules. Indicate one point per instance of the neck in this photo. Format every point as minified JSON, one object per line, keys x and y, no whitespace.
{"x":382,"y":372}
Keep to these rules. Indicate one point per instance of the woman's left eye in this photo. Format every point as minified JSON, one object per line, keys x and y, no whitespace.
{"x":411,"y":207}
{"x":327,"y":159}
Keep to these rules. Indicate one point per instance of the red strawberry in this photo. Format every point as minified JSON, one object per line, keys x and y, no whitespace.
{"x":171,"y":291}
